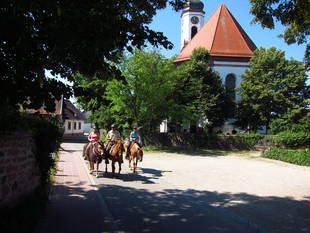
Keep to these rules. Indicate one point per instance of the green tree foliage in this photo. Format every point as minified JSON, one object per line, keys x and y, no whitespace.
{"x":144,"y":97}
{"x":204,"y":90}
{"x":66,"y":37}
{"x":271,"y":87}
{"x":295,"y":15}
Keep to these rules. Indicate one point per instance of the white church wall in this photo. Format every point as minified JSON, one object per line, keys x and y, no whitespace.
{"x":236,"y":68}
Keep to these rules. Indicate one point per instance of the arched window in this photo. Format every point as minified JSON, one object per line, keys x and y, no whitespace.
{"x":194,"y":31}
{"x":230,"y":84}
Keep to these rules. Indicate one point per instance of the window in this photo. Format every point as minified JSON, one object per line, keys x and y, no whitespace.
{"x":194,"y":31}
{"x":230,"y":84}
{"x":69,"y":125}
{"x":74,"y":126}
{"x":80,"y":125}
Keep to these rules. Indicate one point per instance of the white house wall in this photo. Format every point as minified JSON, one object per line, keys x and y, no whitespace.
{"x":72,"y":130}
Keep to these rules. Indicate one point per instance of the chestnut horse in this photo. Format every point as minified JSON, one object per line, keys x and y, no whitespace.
{"x":94,"y":153}
{"x":135,"y":155}
{"x":115,"y":155}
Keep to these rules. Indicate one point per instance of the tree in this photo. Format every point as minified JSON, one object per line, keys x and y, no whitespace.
{"x":270,"y":87}
{"x":204,"y":91}
{"x":295,"y":15}
{"x":66,"y":37}
{"x":144,"y":96}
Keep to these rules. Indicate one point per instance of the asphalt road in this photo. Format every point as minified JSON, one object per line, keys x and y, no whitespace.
{"x":196,"y":193}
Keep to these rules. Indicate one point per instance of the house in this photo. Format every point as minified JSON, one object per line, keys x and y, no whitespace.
{"x":228,"y":44}
{"x":73,"y":119}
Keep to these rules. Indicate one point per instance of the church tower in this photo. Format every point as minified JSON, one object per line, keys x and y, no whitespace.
{"x":191,"y":20}
{"x":229,"y":46}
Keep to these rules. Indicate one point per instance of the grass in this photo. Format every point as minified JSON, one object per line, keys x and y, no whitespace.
{"x":295,"y":156}
{"x":201,"y":151}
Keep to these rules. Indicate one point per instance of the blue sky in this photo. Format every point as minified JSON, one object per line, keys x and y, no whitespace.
{"x":168,"y":21}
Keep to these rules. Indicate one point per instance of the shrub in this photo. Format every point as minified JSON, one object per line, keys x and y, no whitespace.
{"x":286,"y":124}
{"x":300,"y":157}
{"x":250,"y":139}
{"x":291,"y":139}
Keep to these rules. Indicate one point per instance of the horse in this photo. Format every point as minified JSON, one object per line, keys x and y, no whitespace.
{"x":115,"y":154}
{"x":94,"y":153}
{"x":135,"y":155}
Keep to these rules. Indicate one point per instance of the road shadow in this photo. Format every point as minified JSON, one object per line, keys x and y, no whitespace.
{"x":74,"y":139}
{"x":72,"y":208}
{"x":174,"y":210}
{"x":145,"y":175}
{"x":75,"y":209}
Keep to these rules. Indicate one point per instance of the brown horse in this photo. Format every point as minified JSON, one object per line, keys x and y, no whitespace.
{"x":115,"y":154}
{"x":94,"y":153}
{"x":135,"y":155}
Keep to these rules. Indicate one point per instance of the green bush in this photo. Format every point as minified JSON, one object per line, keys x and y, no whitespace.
{"x":291,"y":139}
{"x":300,"y":157}
{"x":250,"y":139}
{"x":288,"y":124}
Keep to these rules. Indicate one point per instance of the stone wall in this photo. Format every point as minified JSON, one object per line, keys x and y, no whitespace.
{"x":19,"y":172}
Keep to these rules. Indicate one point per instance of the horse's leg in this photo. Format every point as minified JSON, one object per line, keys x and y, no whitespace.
{"x":135,"y":164}
{"x":113,"y":167}
{"x":97,"y":168}
{"x":129,"y":161}
{"x":91,"y":165}
{"x":119,"y":167}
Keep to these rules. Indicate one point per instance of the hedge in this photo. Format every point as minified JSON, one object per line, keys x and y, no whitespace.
{"x":300,"y":157}
{"x":250,"y":139}
{"x":291,"y":139}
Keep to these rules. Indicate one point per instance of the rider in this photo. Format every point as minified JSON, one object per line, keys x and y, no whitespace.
{"x":93,"y":136}
{"x":134,"y":137}
{"x":112,"y":137}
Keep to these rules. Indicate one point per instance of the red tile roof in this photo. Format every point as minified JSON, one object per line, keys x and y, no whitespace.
{"x":222,"y":36}
{"x":42,"y":110}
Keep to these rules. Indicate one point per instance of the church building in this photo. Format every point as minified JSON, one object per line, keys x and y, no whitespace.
{"x":228,"y":44}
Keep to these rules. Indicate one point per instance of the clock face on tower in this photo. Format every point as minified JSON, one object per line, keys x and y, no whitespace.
{"x":195,"y":20}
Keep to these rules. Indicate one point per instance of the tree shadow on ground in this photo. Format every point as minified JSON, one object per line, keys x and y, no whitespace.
{"x":74,"y":139}
{"x":145,"y":175}
{"x":75,"y":209}
{"x":174,"y":210}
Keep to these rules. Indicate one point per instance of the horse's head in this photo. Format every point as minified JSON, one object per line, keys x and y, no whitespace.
{"x":99,"y":148}
{"x":140,"y":152}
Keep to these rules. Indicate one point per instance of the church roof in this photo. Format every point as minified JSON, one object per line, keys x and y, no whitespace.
{"x":222,"y":36}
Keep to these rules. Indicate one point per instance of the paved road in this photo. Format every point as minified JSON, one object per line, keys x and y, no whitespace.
{"x":186,"y":193}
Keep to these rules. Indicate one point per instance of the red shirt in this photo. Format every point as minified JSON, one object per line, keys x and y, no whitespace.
{"x":93,"y":137}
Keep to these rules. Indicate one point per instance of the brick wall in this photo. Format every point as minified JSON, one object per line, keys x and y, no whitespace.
{"x":19,"y":173}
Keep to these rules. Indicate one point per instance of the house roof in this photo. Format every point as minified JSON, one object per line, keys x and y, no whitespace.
{"x":42,"y":110}
{"x":222,"y":36}
{"x":63,"y":108}
{"x":70,"y":112}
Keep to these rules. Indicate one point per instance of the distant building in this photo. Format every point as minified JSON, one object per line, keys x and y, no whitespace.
{"x":228,"y":44}
{"x":73,"y":119}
